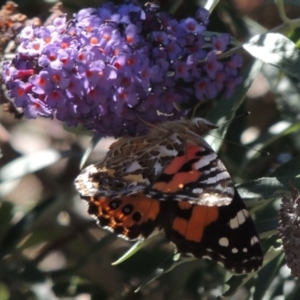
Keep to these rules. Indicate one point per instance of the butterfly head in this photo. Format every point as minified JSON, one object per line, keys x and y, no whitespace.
{"x":198,"y":126}
{"x":201,"y":126}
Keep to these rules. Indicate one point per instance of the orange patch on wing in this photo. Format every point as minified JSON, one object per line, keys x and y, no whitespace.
{"x":160,"y":186}
{"x":148,"y":208}
{"x":180,"y":225}
{"x":184,"y":205}
{"x":179,"y":161}
{"x":178,"y":181}
{"x":192,"y":229}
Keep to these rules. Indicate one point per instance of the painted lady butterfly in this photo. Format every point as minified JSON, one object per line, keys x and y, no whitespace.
{"x":172,"y":180}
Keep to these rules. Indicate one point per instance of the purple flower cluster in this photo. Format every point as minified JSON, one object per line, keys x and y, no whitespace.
{"x":114,"y":67}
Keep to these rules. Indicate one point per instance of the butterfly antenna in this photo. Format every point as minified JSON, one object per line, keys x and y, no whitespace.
{"x":151,"y":125}
{"x":247,"y":113}
{"x":195,"y":109}
{"x":89,"y":150}
{"x":257,"y":150}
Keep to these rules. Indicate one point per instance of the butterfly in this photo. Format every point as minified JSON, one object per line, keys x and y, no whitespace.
{"x":171,"y":179}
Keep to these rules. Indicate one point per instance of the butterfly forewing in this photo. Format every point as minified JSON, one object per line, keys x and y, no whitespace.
{"x":130,"y":166}
{"x":195,"y":175}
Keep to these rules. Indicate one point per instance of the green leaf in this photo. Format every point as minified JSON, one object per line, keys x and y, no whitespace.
{"x":225,"y":109}
{"x":272,"y":262}
{"x":292,"y":2}
{"x":95,"y":140}
{"x":135,"y":248}
{"x":283,"y":129}
{"x":31,"y":163}
{"x":235,"y":282}
{"x":293,"y":294}
{"x":290,"y":169}
{"x":267,"y":228}
{"x":30,"y":273}
{"x":4,"y":292}
{"x":70,"y":286}
{"x":6,"y":214}
{"x":266,"y":188}
{"x":18,"y":230}
{"x":168,"y":265}
{"x":107,"y":240}
{"x":277,"y":50}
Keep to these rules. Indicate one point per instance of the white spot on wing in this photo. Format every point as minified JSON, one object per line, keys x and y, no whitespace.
{"x":211,"y":170}
{"x":197,"y":191}
{"x":221,"y":176}
{"x":157,"y":168}
{"x":167,"y":152}
{"x":239,"y":219}
{"x":207,"y":257}
{"x":246,"y":212}
{"x":254,"y":240}
{"x":224,"y":242}
{"x":233,"y":223}
{"x":205,"y":161}
{"x":133,"y":167}
{"x":241,"y":216}
{"x":234,"y":250}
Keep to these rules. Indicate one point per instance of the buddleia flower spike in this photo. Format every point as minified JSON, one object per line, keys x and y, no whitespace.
{"x":289,"y":230}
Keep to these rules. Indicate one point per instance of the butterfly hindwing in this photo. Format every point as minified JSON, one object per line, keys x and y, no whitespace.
{"x":226,"y":234}
{"x":133,"y":217}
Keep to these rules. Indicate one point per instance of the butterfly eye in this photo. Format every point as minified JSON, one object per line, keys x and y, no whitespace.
{"x":204,"y":125}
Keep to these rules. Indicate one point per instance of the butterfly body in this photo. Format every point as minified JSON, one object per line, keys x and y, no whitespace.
{"x":172,"y":180}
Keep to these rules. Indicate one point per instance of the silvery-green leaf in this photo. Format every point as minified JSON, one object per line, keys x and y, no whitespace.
{"x":277,"y":50}
{"x":30,"y":163}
